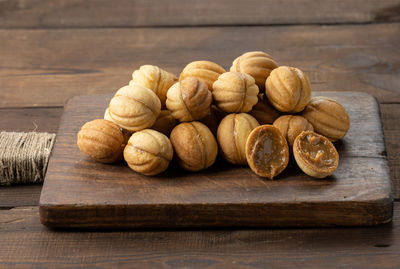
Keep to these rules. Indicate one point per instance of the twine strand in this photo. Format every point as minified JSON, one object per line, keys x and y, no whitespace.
{"x":24,"y":157}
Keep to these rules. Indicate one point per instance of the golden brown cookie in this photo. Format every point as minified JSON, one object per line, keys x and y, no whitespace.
{"x":291,"y":126}
{"x":232,"y":136}
{"x":315,"y":154}
{"x":288,"y":89}
{"x":134,"y":108}
{"x":257,"y":64}
{"x":194,"y":145}
{"x":267,"y":151}
{"x":264,"y":112}
{"x":155,"y":79}
{"x":235,"y":92}
{"x":101,"y":140}
{"x":148,"y":152}
{"x":164,"y":122}
{"x":328,"y":117}
{"x":189,"y":99}
{"x":206,"y":71}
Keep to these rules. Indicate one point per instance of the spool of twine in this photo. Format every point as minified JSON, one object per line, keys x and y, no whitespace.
{"x":24,"y":157}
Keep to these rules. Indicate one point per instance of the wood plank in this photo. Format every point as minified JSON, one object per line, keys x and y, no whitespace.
{"x":25,"y":243}
{"x":20,"y":195}
{"x":30,"y":119}
{"x":390,"y":118}
{"x":124,"y":13}
{"x":341,"y":58}
{"x":47,"y":121}
{"x":79,"y":192}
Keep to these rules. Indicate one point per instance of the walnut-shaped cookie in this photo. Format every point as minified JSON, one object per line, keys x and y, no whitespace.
{"x":155,"y":79}
{"x":235,"y":92}
{"x":189,"y":99}
{"x":257,"y":64}
{"x":288,"y":89}
{"x":194,"y":145}
{"x":148,"y":152}
{"x":232,"y":136}
{"x":206,"y":71}
{"x":134,"y":108}
{"x":164,"y":122}
{"x":315,"y":154}
{"x":101,"y":140}
{"x":291,"y":126}
{"x":264,"y":112}
{"x":328,"y":117}
{"x":267,"y":151}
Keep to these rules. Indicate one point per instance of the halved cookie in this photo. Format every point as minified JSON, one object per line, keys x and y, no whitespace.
{"x":315,"y":154}
{"x":267,"y":151}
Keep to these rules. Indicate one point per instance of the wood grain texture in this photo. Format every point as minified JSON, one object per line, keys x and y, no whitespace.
{"x":19,"y":195}
{"x":138,"y":13}
{"x":47,"y":121}
{"x":390,"y":118}
{"x":25,"y":243}
{"x":33,"y":119}
{"x":38,"y":70}
{"x":58,"y":64}
{"x":79,"y":192}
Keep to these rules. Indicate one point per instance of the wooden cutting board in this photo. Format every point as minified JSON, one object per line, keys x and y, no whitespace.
{"x":79,"y":192}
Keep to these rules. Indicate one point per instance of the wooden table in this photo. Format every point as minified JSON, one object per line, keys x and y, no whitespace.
{"x":52,"y":50}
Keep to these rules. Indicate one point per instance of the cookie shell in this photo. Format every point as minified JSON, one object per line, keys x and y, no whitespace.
{"x":257,"y":64}
{"x":206,"y":71}
{"x":148,"y":152}
{"x":194,"y":145}
{"x":288,"y":89}
{"x":232,"y":136}
{"x":328,"y":117}
{"x":235,"y":92}
{"x":155,"y":79}
{"x":134,"y":108}
{"x":291,"y":126}
{"x":102,"y":140}
{"x":323,"y":151}
{"x":189,"y":99}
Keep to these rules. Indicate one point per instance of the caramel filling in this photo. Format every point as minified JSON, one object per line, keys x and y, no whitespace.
{"x":269,"y":154}
{"x":318,"y":151}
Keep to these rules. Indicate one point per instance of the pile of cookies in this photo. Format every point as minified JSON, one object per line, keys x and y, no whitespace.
{"x":256,"y":114}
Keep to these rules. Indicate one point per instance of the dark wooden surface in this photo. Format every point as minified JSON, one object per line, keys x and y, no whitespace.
{"x":139,"y":13}
{"x":28,"y":244}
{"x":79,"y":192}
{"x":51,"y":50}
{"x":336,"y":58}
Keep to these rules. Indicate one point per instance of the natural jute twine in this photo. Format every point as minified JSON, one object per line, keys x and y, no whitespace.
{"x":24,"y":157}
